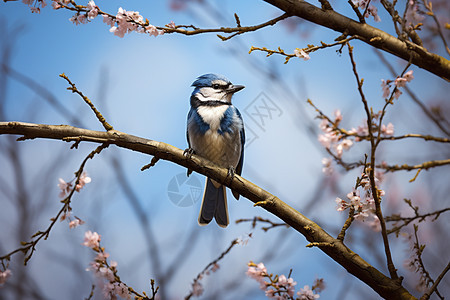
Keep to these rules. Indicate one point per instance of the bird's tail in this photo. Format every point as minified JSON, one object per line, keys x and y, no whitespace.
{"x":214,"y":204}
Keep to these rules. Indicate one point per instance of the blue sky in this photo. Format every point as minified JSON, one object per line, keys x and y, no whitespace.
{"x":142,"y":86}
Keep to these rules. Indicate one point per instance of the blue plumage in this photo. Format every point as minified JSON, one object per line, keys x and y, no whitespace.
{"x":215,"y":131}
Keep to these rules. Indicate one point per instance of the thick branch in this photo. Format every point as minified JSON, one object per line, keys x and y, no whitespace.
{"x":375,"y":37}
{"x":386,"y":287}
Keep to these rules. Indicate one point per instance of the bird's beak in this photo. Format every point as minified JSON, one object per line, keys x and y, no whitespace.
{"x":234,"y":88}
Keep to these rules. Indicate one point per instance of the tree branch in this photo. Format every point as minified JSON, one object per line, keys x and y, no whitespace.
{"x":375,"y":37}
{"x":353,"y":263}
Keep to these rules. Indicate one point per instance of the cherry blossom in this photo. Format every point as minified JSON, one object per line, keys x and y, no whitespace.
{"x":75,"y":223}
{"x":301,"y":54}
{"x":306,"y":293}
{"x":399,"y":82}
{"x":4,"y":275}
{"x":363,"y":205}
{"x":84,"y":178}
{"x":93,"y":10}
{"x":331,"y":138}
{"x":91,"y":239}
{"x":65,"y":187}
{"x":327,"y":166}
{"x":388,"y":129}
{"x":256,"y":272}
{"x":244,"y":239}
{"x":197,"y":289}
{"x":385,"y":87}
{"x":372,"y":10}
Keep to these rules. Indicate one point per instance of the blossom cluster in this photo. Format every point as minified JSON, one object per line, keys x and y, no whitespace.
{"x":4,"y":275}
{"x":363,"y":206}
{"x":413,"y":262}
{"x":337,"y":141}
{"x":399,"y":82}
{"x":301,"y":54}
{"x":331,"y":138}
{"x":66,"y":187}
{"x":123,"y":22}
{"x":363,"y":130}
{"x":281,"y":287}
{"x":35,"y":5}
{"x":197,"y":287}
{"x":369,"y":10}
{"x":112,"y":286}
{"x":413,"y":14}
{"x":129,"y":21}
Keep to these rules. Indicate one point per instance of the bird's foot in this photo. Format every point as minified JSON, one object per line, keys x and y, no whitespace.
{"x":188,"y":152}
{"x":231,"y":172}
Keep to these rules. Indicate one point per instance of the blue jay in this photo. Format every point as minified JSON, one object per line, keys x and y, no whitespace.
{"x":215,"y":131}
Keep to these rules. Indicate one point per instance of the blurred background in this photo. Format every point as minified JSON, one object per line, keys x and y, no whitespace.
{"x":141,"y":85}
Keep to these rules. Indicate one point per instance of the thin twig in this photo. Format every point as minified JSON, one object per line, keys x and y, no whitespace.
{"x":99,"y":116}
{"x":390,"y":263}
{"x":433,"y":288}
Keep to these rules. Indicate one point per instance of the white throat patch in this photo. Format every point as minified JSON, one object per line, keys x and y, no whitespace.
{"x":212,"y":115}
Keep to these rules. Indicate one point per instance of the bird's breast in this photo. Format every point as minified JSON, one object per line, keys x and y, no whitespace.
{"x":214,"y":137}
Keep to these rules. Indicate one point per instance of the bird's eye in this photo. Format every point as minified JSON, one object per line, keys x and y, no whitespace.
{"x":216,"y":86}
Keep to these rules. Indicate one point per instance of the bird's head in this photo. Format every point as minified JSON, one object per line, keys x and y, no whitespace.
{"x":214,"y":89}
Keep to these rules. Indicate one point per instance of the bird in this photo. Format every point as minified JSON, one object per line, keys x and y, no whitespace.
{"x":215,"y":131}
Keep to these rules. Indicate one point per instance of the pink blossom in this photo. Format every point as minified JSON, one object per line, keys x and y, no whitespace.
{"x":108,"y":20}
{"x":385,"y":87}
{"x":256,"y":271}
{"x":64,"y":216}
{"x":197,"y":289}
{"x":91,"y":239}
{"x":28,"y":2}
{"x":319,"y":285}
{"x":413,"y":15}
{"x":375,"y":224}
{"x":56,"y":5}
{"x":400,"y":82}
{"x":341,"y":204}
{"x":121,"y":290}
{"x":354,"y":198}
{"x":372,"y":10}
{"x":93,"y":9}
{"x":397,"y":93}
{"x":327,"y":167}
{"x":345,"y":144}
{"x":306,"y":293}
{"x":101,"y":257}
{"x":287,"y":283}
{"x":82,"y":181}
{"x":4,"y":275}
{"x":244,"y":239}
{"x":337,"y":116}
{"x":270,"y":293}
{"x":36,"y":10}
{"x":360,"y":3}
{"x":152,"y":30}
{"x":409,"y":76}
{"x":65,"y":187}
{"x":171,"y":25}
{"x":301,"y":54}
{"x":105,"y":272}
{"x":388,"y":129}
{"x":75,"y":223}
